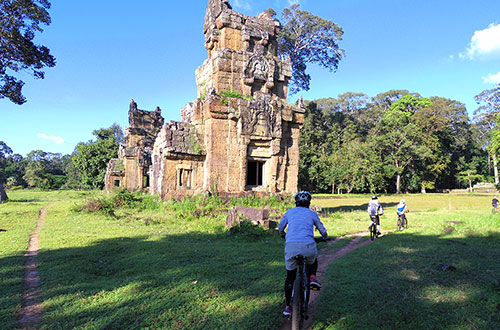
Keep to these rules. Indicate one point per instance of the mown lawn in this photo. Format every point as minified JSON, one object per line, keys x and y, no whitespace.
{"x":174,"y":266}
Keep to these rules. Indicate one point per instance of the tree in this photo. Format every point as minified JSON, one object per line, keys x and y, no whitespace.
{"x":400,"y":137}
{"x":91,"y":158}
{"x":19,"y":21}
{"x":44,"y":170}
{"x":486,"y":118}
{"x":469,"y":174}
{"x":307,"y":38}
{"x":4,"y":151}
{"x":73,"y":179}
{"x":14,"y":171}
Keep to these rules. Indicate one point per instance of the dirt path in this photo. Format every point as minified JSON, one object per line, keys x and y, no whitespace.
{"x":324,"y":259}
{"x":30,"y":314}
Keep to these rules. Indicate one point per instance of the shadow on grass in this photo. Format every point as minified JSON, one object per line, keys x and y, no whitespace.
{"x":11,"y":272}
{"x":403,"y":281}
{"x":200,"y":281}
{"x":353,"y":208}
{"x":33,"y":200}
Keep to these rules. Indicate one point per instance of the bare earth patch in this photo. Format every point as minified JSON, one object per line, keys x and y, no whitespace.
{"x":30,"y":314}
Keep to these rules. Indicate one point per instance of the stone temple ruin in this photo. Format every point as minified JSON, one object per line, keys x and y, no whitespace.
{"x":239,"y":136}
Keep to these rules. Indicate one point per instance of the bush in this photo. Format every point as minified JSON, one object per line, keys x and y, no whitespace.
{"x":124,"y":198}
{"x":96,"y":204}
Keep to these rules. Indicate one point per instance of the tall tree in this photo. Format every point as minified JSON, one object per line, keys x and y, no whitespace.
{"x":400,"y":137}
{"x":19,"y":21}
{"x":91,"y":158}
{"x":486,"y":118}
{"x":307,"y":38}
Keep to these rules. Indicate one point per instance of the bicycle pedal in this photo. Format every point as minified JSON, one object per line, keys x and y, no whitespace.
{"x":315,"y":288}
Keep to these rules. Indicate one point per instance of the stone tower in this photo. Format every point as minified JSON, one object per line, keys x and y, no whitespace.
{"x":240,"y":135}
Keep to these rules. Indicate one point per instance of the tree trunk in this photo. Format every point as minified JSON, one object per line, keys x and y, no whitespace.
{"x":495,"y":168}
{"x":470,"y":182}
{"x":489,"y":163}
{"x":3,"y":195}
{"x":398,"y":183}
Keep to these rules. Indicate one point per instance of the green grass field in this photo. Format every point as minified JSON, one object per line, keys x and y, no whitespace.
{"x":174,"y":266}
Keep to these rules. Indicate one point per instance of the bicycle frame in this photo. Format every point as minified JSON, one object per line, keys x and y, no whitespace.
{"x":300,"y":294}
{"x":373,"y":227}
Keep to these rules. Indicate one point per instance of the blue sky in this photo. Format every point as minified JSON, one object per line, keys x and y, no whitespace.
{"x":109,"y":52}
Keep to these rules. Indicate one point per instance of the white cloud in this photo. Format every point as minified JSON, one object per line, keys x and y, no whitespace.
{"x":492,"y":78}
{"x":484,"y":45}
{"x":242,"y":4}
{"x":56,"y":139}
{"x":293,"y":2}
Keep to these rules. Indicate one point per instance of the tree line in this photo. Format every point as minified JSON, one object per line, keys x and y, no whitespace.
{"x":398,"y":141}
{"x":85,"y":168}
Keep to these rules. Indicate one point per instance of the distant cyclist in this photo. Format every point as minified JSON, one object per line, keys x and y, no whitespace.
{"x":299,"y":237}
{"x":494,"y":203}
{"x":374,"y":209}
{"x":401,"y":210}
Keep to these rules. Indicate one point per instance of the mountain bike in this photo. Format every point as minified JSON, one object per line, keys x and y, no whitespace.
{"x":402,"y":222}
{"x":300,"y":294}
{"x":373,"y":227}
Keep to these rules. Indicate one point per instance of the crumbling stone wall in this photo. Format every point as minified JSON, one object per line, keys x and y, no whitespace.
{"x":131,"y":169}
{"x":178,"y":157}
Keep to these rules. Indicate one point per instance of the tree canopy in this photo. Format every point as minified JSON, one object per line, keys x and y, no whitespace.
{"x":20,"y":20}
{"x":91,"y":158}
{"x":396,"y":141}
{"x":307,"y":38}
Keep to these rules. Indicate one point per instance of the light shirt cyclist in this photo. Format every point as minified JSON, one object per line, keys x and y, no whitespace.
{"x":374,"y":208}
{"x":301,"y":222}
{"x":402,"y":208}
{"x":299,"y":237}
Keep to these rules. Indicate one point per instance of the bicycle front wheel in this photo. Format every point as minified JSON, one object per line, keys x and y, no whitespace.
{"x":296,"y":304}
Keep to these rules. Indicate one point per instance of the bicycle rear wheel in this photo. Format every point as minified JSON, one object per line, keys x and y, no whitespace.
{"x":399,"y":223}
{"x":373,"y":232}
{"x":296,"y":304}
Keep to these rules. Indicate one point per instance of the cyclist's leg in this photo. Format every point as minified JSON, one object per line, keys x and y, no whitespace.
{"x":290,"y":278}
{"x":378,"y":225}
{"x":312,"y":265}
{"x":312,"y":268}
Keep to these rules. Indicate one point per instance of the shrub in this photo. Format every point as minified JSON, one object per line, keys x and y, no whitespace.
{"x":124,"y":198}
{"x":96,"y":204}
